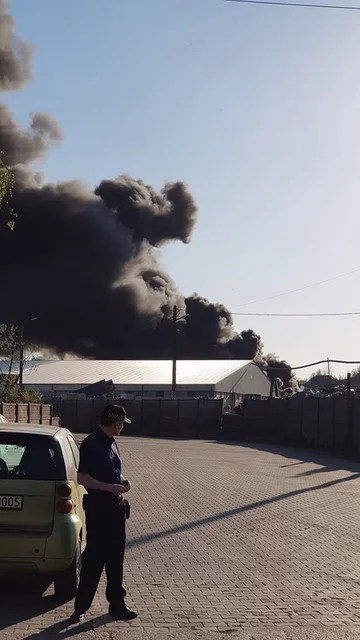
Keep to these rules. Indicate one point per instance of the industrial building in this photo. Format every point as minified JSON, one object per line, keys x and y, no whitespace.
{"x":144,"y":378}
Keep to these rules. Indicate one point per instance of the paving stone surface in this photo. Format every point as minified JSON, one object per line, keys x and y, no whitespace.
{"x":224,"y":538}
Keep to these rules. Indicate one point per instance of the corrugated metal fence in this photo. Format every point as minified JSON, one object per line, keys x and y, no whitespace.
{"x":314,"y":422}
{"x":186,"y":418}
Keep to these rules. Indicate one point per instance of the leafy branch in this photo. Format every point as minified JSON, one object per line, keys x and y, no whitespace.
{"x":7,"y":181}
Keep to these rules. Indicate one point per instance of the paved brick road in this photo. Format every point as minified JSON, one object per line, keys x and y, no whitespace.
{"x":224,"y":537}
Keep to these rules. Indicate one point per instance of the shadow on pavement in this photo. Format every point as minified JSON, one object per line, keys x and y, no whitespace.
{"x":186,"y":526}
{"x":291,"y":464}
{"x":329,"y":461}
{"x":65,"y":630}
{"x":25,"y":600}
{"x":21,"y":601}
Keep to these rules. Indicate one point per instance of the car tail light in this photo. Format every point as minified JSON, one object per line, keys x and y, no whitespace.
{"x":64,"y":490}
{"x":64,"y":506}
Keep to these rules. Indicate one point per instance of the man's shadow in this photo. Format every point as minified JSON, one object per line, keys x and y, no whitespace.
{"x":65,"y":629}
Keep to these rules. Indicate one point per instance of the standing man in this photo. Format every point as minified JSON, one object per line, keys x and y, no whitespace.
{"x":100,"y":473}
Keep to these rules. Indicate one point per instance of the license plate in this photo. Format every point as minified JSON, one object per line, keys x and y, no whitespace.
{"x":11,"y":502}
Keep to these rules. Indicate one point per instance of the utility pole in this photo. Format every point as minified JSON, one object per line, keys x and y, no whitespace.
{"x":328,"y":363}
{"x":349,"y":411}
{"x":21,"y":356}
{"x":174,"y":352}
{"x":21,"y":361}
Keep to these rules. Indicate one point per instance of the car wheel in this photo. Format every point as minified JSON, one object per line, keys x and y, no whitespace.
{"x":67,"y":582}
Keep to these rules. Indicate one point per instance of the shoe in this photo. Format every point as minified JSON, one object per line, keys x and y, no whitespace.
{"x":122,"y":613}
{"x":77,"y":617}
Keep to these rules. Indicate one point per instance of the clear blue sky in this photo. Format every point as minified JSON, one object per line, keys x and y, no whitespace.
{"x":257,"y":108}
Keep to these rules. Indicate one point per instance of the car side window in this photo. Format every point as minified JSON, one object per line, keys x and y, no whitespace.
{"x":75,"y":451}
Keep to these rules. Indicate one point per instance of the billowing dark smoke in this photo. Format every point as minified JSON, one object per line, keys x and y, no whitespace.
{"x":280,"y":369}
{"x":19,"y":146}
{"x":84,"y":264}
{"x":152,"y":216}
{"x":15,"y":55}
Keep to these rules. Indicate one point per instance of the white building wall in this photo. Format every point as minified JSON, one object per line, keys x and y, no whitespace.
{"x":246,"y":380}
{"x":130,"y":391}
{"x":250,"y":380}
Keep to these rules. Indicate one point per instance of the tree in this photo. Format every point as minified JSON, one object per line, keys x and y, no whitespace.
{"x":10,"y":344}
{"x":355,"y":372}
{"x":323,"y":371}
{"x":32,"y":397}
{"x":6,"y":186}
{"x":9,"y":334}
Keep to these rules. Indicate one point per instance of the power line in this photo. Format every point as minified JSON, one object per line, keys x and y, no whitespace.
{"x":296,"y":315}
{"x":311,"y":364}
{"x":308,"y":286}
{"x":299,"y":4}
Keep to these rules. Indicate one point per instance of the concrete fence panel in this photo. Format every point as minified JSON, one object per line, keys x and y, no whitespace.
{"x":326,"y":421}
{"x":208,"y":418}
{"x":35,"y":412}
{"x":341,"y":421}
{"x":277,"y":419}
{"x":28,"y":413}
{"x":310,"y":428}
{"x":356,"y":424}
{"x":294,"y":420}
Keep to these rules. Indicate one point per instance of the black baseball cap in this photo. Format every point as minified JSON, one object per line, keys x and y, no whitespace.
{"x":113,"y":412}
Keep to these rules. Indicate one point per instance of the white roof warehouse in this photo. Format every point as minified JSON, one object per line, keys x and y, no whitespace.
{"x":133,"y":378}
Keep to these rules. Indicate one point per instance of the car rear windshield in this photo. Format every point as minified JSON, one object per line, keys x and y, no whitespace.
{"x":27,"y":456}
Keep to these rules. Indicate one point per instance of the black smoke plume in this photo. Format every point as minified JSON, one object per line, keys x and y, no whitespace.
{"x":15,"y":55}
{"x":84,"y":264}
{"x":281,"y":369}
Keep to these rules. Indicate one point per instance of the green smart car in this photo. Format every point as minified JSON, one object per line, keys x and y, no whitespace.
{"x":42,"y":520}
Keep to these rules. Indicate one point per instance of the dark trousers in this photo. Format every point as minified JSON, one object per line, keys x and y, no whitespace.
{"x":105,"y":547}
